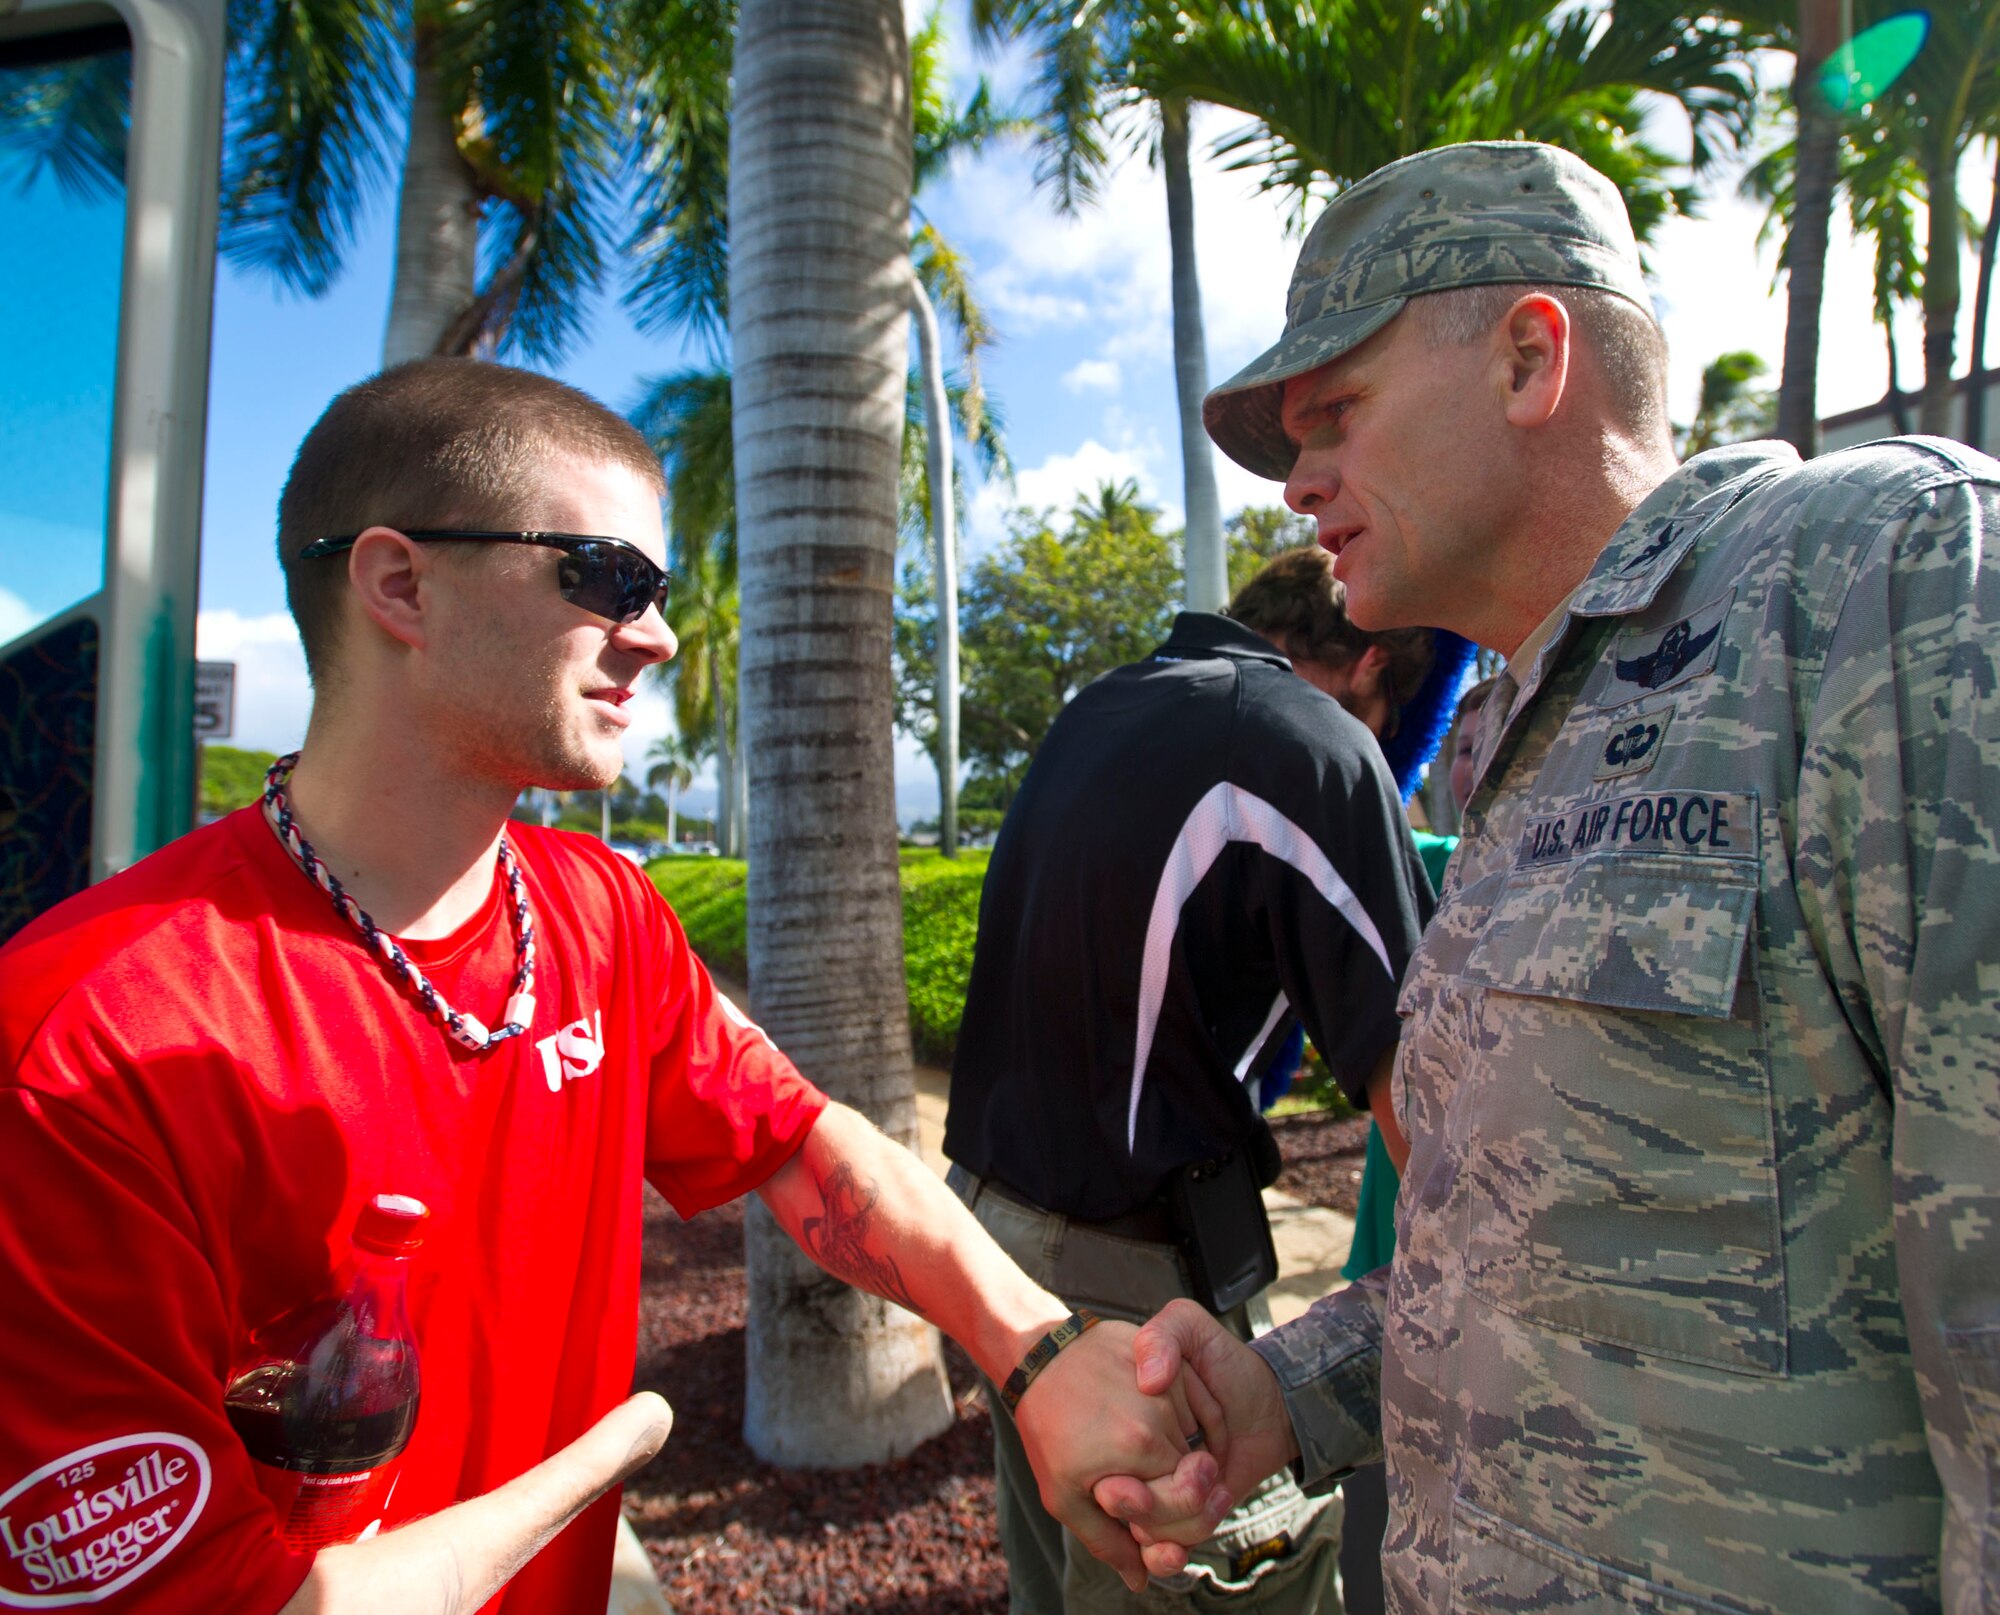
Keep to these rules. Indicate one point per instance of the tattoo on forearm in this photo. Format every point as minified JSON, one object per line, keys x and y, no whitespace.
{"x":838,"y":1240}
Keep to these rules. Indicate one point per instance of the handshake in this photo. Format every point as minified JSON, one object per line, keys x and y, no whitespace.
{"x":1144,"y":1438}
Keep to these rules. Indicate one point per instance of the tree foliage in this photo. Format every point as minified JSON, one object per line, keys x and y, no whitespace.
{"x":1050,"y":609}
{"x":231,"y":777}
{"x":1731,"y":409}
{"x":1901,"y":141}
{"x":1337,"y":88}
{"x":67,"y":120}
{"x":556,"y":107}
{"x":1258,"y":533}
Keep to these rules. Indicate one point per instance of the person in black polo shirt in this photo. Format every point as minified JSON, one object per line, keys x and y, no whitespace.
{"x":1208,"y":845}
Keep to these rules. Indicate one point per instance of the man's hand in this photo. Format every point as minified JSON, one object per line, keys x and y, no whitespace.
{"x":454,"y":1561}
{"x":1242,"y":1413}
{"x":1086,"y":1418}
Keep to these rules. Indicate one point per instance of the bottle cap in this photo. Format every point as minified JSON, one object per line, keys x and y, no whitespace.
{"x":391,"y":1225}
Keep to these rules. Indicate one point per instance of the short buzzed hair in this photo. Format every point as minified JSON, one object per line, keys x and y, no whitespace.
{"x":433,"y":443}
{"x":1626,"y":339}
{"x":1297,"y":603}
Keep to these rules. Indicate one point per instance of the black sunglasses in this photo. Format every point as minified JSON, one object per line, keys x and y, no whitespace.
{"x":608,"y":577}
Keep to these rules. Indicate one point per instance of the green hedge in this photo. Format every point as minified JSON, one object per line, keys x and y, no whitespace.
{"x":940,"y":918}
{"x":230,"y":777}
{"x":707,"y":894}
{"x":940,"y":924}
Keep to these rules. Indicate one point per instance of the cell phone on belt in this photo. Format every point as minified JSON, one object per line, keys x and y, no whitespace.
{"x":1223,"y":1230}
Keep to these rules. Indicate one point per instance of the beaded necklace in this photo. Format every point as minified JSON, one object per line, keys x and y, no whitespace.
{"x":468,"y":1030}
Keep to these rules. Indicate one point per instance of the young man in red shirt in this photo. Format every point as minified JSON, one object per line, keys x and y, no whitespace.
{"x":209,"y":1063}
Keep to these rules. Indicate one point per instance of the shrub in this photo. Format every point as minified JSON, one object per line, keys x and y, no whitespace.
{"x":708,"y":895}
{"x":940,"y":922}
{"x":940,"y":916}
{"x":231,"y":777}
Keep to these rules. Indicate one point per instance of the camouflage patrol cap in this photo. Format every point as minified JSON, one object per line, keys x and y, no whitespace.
{"x":1481,"y":214}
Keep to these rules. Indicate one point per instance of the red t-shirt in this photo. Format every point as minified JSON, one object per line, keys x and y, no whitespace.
{"x":204,"y":1074}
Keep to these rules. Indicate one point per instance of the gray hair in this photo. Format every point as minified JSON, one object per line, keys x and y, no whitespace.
{"x":1625,"y":339}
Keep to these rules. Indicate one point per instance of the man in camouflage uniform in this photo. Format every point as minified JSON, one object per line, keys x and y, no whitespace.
{"x":1696,"y":1302}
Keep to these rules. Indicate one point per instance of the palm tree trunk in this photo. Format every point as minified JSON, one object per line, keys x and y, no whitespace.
{"x":1207,"y":565}
{"x":725,"y":765}
{"x":1812,"y":213}
{"x":1899,"y":410}
{"x":937,"y":422}
{"x":739,"y":790}
{"x":437,"y":226}
{"x":819,"y":208}
{"x":673,"y":838}
{"x":1982,"y":305}
{"x":1943,"y":287}
{"x":604,"y":815}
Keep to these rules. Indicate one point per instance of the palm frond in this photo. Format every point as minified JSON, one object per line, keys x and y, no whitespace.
{"x":1337,"y":88}
{"x":940,"y":129}
{"x":1072,"y":64}
{"x":687,"y":418}
{"x":68,"y":120}
{"x":679,"y":241}
{"x":313,"y":88}
{"x":538,"y":83}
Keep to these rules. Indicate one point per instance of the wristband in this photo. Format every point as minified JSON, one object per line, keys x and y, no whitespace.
{"x":1043,"y":1352}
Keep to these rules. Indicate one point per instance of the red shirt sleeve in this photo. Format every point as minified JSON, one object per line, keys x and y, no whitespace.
{"x":726,"y":1108}
{"x":122,"y":1484}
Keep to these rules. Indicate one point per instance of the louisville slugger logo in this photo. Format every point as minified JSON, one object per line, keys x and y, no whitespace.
{"x":94,"y":1520}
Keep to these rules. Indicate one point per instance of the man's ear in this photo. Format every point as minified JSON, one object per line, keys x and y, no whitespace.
{"x":1534,"y":359}
{"x":1365,"y":672}
{"x":389,"y":575}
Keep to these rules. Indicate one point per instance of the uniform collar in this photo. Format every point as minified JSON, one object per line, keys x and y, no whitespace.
{"x":1651,"y":542}
{"x":1649,"y":545}
{"x":1643,"y":553}
{"x":1201,"y":634}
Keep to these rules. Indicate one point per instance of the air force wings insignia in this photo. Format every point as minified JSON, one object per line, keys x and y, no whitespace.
{"x":1647,"y":659}
{"x":1669,"y":659}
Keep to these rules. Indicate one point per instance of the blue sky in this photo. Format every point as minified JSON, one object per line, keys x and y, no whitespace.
{"x":1083,"y":373}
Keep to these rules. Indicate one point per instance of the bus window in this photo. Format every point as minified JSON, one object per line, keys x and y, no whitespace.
{"x":63,"y":111}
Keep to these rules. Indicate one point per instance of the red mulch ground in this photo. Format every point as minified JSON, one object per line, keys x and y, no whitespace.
{"x":916,"y":1537}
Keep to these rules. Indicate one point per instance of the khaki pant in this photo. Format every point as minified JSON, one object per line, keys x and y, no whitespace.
{"x":1276,"y":1552}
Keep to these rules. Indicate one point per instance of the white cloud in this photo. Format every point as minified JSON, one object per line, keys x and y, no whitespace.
{"x":16,"y":616}
{"x":1093,"y":375}
{"x":1110,"y":262}
{"x":1236,"y":487}
{"x":1022,"y":307}
{"x":1058,"y":480}
{"x":273,"y":695}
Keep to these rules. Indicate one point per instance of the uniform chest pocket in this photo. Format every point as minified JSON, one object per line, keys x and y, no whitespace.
{"x":1621,"y":1168}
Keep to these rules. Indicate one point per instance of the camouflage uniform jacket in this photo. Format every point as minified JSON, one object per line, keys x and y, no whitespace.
{"x":1696,"y":1304}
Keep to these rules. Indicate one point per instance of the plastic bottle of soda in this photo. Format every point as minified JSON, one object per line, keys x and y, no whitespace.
{"x":327,"y":1398}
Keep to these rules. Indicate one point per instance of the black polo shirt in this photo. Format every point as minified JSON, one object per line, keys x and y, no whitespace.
{"x":1204,"y":847}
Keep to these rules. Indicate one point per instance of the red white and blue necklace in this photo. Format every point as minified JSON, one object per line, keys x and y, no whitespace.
{"x":468,"y":1030}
